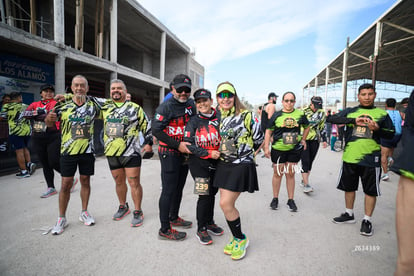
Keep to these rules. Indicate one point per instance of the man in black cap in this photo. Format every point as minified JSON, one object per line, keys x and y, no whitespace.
{"x":171,"y":117}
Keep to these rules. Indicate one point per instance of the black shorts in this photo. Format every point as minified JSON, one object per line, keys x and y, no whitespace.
{"x":69,"y":164}
{"x":19,"y":142}
{"x":391,"y":143}
{"x":280,"y":157}
{"x":120,"y":162}
{"x":370,"y":178}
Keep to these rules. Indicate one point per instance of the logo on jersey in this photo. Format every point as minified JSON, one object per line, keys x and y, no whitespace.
{"x":159,"y":117}
{"x":290,"y":123}
{"x":189,"y":111}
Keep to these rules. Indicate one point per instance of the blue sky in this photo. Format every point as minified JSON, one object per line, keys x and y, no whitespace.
{"x":262,"y":45}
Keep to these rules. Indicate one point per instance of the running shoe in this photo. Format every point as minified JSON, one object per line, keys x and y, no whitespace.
{"x":172,"y":234}
{"x":214,"y":229}
{"x":31,"y":167}
{"x":307,"y":188}
{"x":60,"y":226}
{"x":23,"y":174}
{"x":204,"y":237}
{"x":292,"y":206}
{"x":390,"y":161}
{"x":181,"y":222}
{"x":138,"y":218}
{"x":274,"y":204}
{"x":123,"y":210}
{"x":49,"y":192}
{"x":344,"y":218}
{"x":366,"y":228}
{"x":239,"y":249}
{"x":75,"y":181}
{"x":385,"y":177}
{"x":86,"y":218}
{"x":228,"y":249}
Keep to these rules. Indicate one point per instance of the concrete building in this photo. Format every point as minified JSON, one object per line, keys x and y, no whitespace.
{"x":50,"y":41}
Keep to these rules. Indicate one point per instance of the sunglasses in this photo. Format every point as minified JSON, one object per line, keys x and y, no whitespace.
{"x":289,"y":101}
{"x":183,"y":89}
{"x":223,"y":95}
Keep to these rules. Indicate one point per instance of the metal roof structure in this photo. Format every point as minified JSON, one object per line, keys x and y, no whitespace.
{"x":387,"y":45}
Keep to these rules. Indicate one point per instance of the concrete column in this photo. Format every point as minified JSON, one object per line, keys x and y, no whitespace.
{"x":60,"y":74}
{"x":326,"y":87}
{"x":59,"y":21}
{"x":162,"y":62}
{"x":114,"y":31}
{"x":316,"y":87}
{"x":113,"y":75}
{"x":345,"y":74}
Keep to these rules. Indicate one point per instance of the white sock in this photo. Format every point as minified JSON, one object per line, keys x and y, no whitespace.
{"x":349,"y":211}
{"x":24,"y":171}
{"x":368,"y":218}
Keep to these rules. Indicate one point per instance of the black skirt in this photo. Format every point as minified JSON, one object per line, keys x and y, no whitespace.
{"x":236,"y":177}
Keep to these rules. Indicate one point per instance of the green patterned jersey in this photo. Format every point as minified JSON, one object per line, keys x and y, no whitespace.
{"x":122,"y":124}
{"x":18,"y":125}
{"x":363,"y":145}
{"x":286,"y":128}
{"x":77,"y":126}
{"x":316,"y":122}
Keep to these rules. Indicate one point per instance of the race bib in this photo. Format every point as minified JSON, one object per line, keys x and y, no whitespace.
{"x":114,"y":130}
{"x":80,"y":132}
{"x":201,"y":186}
{"x":362,"y":132}
{"x":290,"y":138}
{"x":39,"y":126}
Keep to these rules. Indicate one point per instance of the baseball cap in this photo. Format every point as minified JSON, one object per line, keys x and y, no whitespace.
{"x":202,"y":94}
{"x":181,"y":80}
{"x":271,"y":95}
{"x":317,"y":102}
{"x":225,"y":87}
{"x":47,"y":86}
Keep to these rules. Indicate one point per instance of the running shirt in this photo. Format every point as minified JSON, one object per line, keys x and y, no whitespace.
{"x":239,"y":135}
{"x":362,"y":146}
{"x":122,"y":124}
{"x":204,"y":134}
{"x":77,"y":126}
{"x":37,"y":111}
{"x":18,"y":124}
{"x":169,"y":122}
{"x":286,"y":127}
{"x":317,"y":124}
{"x":396,"y":120}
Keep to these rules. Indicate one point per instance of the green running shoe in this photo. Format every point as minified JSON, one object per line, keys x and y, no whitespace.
{"x":228,"y":249}
{"x":239,"y":249}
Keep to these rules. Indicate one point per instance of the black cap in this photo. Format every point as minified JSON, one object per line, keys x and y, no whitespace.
{"x":180,"y":81}
{"x":202,"y":94}
{"x":47,"y":86}
{"x":317,"y":102}
{"x":272,"y":95}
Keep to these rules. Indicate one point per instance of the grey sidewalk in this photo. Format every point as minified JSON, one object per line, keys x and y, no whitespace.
{"x":281,"y":242}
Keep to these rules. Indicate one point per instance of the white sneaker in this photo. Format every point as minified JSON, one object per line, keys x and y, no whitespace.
{"x":307,"y":188}
{"x":86,"y":218}
{"x":385,"y":177}
{"x":60,"y":226}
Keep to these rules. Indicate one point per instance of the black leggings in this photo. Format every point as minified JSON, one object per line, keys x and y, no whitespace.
{"x":173,"y":176}
{"x":308,"y":155}
{"x":47,"y":148}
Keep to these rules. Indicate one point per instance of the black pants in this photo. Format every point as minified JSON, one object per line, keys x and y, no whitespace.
{"x":173,"y":176}
{"x":47,"y":148}
{"x":308,"y":155}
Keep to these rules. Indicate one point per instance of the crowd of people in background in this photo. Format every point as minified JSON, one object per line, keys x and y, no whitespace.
{"x":218,"y":144}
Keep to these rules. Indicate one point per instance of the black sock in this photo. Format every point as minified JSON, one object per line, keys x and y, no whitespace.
{"x":235,"y":227}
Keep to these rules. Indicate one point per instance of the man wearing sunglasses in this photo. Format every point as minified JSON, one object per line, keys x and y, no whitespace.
{"x":171,"y":117}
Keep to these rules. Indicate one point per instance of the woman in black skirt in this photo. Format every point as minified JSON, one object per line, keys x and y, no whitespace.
{"x":236,"y":170}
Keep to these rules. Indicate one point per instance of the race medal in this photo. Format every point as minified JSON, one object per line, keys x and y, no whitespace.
{"x":80,"y":132}
{"x":114,"y":130}
{"x":201,"y":186}
{"x":39,"y":126}
{"x":362,"y":132}
{"x":290,"y":138}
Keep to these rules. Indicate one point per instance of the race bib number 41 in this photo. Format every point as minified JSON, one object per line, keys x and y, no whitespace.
{"x":81,"y":132}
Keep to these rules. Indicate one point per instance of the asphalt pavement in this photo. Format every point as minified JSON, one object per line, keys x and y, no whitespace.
{"x":281,"y":242}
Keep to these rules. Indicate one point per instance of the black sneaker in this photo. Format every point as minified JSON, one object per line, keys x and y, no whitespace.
{"x":214,"y":229}
{"x":274,"y":204}
{"x":344,"y":218}
{"x":172,"y":234}
{"x":204,"y":237}
{"x":366,"y":228}
{"x":123,"y":210}
{"x":31,"y":168}
{"x":182,"y":223}
{"x":292,"y":206}
{"x":22,"y":174}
